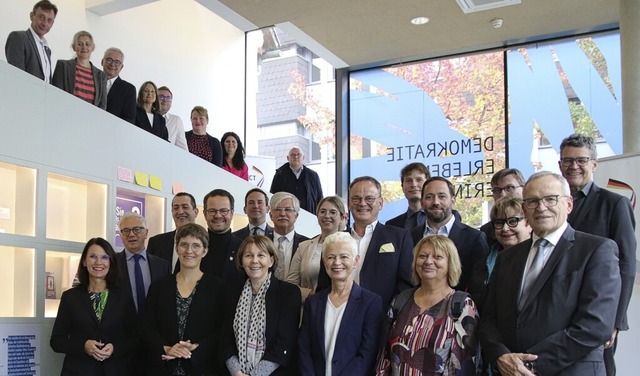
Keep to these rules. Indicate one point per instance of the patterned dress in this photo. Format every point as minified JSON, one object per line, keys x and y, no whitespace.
{"x":432,"y":342}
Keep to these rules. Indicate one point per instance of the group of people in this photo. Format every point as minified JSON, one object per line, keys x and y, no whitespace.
{"x":149,"y":110}
{"x":424,"y":294}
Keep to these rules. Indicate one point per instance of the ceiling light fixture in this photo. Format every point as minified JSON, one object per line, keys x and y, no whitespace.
{"x":419,"y":20}
{"x":496,"y":23}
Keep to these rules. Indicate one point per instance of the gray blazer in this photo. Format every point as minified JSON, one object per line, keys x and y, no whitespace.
{"x":64,"y":77}
{"x":22,"y":52}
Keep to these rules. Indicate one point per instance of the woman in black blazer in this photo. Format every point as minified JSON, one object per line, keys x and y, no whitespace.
{"x":95,"y":326}
{"x":261,"y":327}
{"x":147,"y":116}
{"x":182,"y":314}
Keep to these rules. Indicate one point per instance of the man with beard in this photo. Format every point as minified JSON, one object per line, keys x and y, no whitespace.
{"x":256,"y":207}
{"x":438,"y":198}
{"x":284,"y":213}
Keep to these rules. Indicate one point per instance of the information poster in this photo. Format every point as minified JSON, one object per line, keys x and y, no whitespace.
{"x":20,"y":351}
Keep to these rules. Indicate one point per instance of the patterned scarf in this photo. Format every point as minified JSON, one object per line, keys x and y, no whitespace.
{"x":249,"y":325}
{"x":99,"y":301}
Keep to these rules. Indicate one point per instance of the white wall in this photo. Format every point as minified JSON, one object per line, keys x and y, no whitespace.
{"x":177,"y":43}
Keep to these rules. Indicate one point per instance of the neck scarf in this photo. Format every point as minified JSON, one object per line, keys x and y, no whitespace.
{"x":99,"y":301}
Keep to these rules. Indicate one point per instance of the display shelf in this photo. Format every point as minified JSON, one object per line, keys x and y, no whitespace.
{"x":76,"y":208}
{"x":18,"y":190}
{"x":17,"y":269}
{"x":60,"y":268}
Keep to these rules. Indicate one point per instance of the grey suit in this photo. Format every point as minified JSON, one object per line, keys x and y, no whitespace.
{"x":64,"y":77}
{"x":22,"y":52}
{"x":570,"y":310}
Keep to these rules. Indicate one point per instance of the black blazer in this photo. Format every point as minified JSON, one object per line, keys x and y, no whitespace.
{"x":214,"y":144}
{"x":159,"y":127}
{"x":244,"y":233}
{"x":204,"y":323}
{"x":283,"y":316}
{"x":358,"y":336}
{"x":64,"y":77}
{"x":22,"y":52}
{"x":158,"y":268}
{"x":570,"y":311}
{"x":608,"y":214}
{"x":121,"y":100}
{"x":386,"y":270}
{"x":162,"y":246}
{"x":471,"y":244}
{"x":76,"y":323}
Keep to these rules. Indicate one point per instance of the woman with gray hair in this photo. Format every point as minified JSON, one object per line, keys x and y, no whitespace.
{"x":78,"y":76}
{"x":305,"y":264}
{"x":340,"y":325}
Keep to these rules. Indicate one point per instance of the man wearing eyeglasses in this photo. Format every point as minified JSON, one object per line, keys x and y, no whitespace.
{"x":438,"y":199}
{"x":121,"y":95}
{"x":173,"y":122}
{"x":507,"y":182}
{"x":183,"y":211}
{"x":604,"y":213}
{"x":221,"y":258}
{"x":138,"y":267}
{"x":284,"y":213}
{"x":552,"y":300}
{"x":386,"y":252}
{"x":302,"y":182}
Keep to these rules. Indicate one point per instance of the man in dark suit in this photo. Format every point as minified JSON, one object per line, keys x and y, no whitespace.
{"x":121,"y":97}
{"x":256,"y":207}
{"x":183,"y":210}
{"x":302,"y":182}
{"x":438,"y":198}
{"x":28,"y":50}
{"x":386,"y":252}
{"x":284,"y":213}
{"x":135,"y":262}
{"x":604,"y":213}
{"x":412,"y":178}
{"x":552,"y":300}
{"x":507,"y":182}
{"x":223,"y":246}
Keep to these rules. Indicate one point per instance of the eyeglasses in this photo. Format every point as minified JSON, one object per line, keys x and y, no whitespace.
{"x":223,"y":212}
{"x":512,"y":222}
{"x":109,"y":60}
{"x":580,"y":161}
{"x":332,"y":213}
{"x":369,"y":200}
{"x":507,"y":189}
{"x":286,"y":210}
{"x":165,"y":98}
{"x":548,"y":201}
{"x":136,"y":230}
{"x":195,"y":247}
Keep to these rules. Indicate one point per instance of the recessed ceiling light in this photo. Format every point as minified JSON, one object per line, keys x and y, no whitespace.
{"x":420,"y":20}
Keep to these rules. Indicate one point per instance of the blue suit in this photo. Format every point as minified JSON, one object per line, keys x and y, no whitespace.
{"x":357,"y":341}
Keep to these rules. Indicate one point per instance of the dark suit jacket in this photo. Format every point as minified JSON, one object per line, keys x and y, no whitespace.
{"x":244,"y":233}
{"x":570,"y":311}
{"x":121,"y":100}
{"x":608,"y":214}
{"x":64,"y":77}
{"x":471,"y":244}
{"x":214,"y":144}
{"x":204,"y":323}
{"x":385,"y":273}
{"x":159,"y":127}
{"x":297,"y":239}
{"x":158,"y":268}
{"x":285,"y":180}
{"x":76,"y":323}
{"x":283,"y":316}
{"x":398,"y":221}
{"x":22,"y":52}
{"x":490,"y":233}
{"x":162,"y":246}
{"x":358,"y":337}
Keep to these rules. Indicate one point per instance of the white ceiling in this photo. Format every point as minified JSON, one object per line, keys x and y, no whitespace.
{"x":363,"y":33}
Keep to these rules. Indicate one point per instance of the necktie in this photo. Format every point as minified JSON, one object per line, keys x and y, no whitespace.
{"x":109,"y":83}
{"x":255,"y":231}
{"x":137,"y":274}
{"x":534,"y":271}
{"x":47,"y":50}
{"x":280,"y":269}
